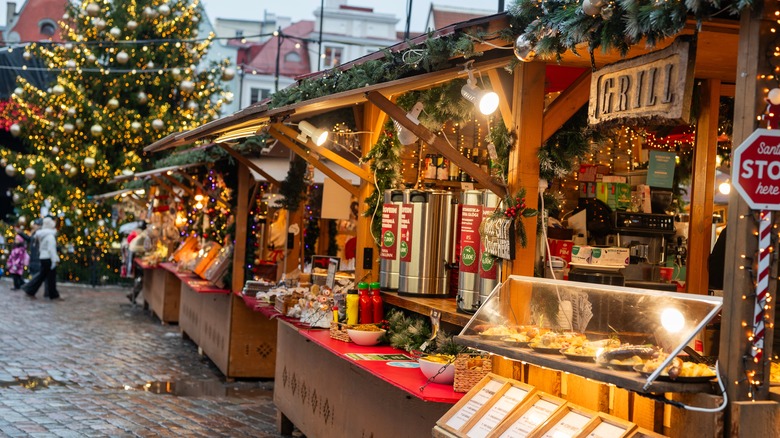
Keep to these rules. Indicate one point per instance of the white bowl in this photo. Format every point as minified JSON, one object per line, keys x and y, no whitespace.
{"x":430,"y":369}
{"x":362,"y":337}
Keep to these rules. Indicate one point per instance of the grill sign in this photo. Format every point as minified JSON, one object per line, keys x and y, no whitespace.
{"x":756,"y":170}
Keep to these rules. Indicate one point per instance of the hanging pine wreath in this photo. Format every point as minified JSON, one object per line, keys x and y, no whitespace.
{"x":293,"y":188}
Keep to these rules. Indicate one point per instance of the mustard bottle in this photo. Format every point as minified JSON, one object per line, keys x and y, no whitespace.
{"x":353,"y":305}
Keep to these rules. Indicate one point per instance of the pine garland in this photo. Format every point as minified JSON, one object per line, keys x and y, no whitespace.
{"x":385,"y":159}
{"x":503,"y":141}
{"x":441,"y":104}
{"x":410,"y":332}
{"x":293,"y":187}
{"x":560,"y":25}
{"x":564,"y":149}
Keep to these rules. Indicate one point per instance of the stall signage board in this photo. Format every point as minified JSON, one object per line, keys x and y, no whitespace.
{"x":653,"y":88}
{"x":405,"y":233}
{"x":470,"y":219}
{"x":498,"y":412}
{"x":488,"y":268}
{"x":464,"y":414}
{"x":389,"y":249}
{"x":756,"y":170}
{"x":498,"y":235}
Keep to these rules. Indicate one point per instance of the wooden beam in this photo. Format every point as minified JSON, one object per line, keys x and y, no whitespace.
{"x":505,"y":97}
{"x":161,"y":183}
{"x":248,"y":163}
{"x":437,"y":143}
{"x":754,"y":40}
{"x":179,"y":184}
{"x":372,"y":116}
{"x":524,"y":161}
{"x":327,"y":153}
{"x":566,"y":105}
{"x":703,"y":189}
{"x":311,"y":160}
{"x":242,"y":220}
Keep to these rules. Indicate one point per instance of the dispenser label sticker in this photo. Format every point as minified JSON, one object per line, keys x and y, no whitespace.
{"x":470,"y":219}
{"x":389,"y":249}
{"x":405,"y":233}
{"x":488,"y":268}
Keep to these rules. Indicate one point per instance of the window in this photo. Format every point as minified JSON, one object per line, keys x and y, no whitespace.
{"x":332,"y":56}
{"x":239,"y":33}
{"x":292,"y":57}
{"x":258,"y":94}
{"x":47,"y":27}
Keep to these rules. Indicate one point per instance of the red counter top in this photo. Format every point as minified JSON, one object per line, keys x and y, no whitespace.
{"x":143,"y":265}
{"x":196,"y":283}
{"x":267,"y":310}
{"x":408,"y":379}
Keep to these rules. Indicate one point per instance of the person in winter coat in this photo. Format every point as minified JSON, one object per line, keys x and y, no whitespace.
{"x":33,"y":247}
{"x":47,"y":236}
{"x":17,"y":261}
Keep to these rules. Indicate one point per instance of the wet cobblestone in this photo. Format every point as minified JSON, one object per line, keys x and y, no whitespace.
{"x":78,"y":367}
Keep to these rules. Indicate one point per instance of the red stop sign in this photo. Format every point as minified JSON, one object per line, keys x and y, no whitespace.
{"x":755,"y":172}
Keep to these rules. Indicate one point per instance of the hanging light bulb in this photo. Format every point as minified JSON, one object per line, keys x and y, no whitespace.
{"x":485,"y":101}
{"x":724,"y":188}
{"x":405,"y":136}
{"x":317,"y":135}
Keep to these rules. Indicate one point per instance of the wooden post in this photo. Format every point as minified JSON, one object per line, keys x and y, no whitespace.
{"x":242,"y":221}
{"x":751,"y":64}
{"x":702,"y":193}
{"x":373,"y":122}
{"x":523,"y":161}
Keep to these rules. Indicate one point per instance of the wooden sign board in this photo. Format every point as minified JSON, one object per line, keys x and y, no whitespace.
{"x":467,"y":407}
{"x":570,"y":420}
{"x":493,"y":413}
{"x":654,"y":88}
{"x":537,"y":409}
{"x":607,"y":426}
{"x":498,"y":235}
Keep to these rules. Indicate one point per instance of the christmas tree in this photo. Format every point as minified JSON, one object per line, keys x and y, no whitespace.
{"x":129,"y":72}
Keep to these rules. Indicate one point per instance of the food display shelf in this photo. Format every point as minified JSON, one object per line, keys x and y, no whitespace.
{"x":630,"y":380}
{"x":423,"y":306}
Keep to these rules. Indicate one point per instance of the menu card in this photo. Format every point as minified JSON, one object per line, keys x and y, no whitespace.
{"x":498,"y":412}
{"x":569,"y":426}
{"x":607,"y":430}
{"x":533,"y":417}
{"x":472,"y":406}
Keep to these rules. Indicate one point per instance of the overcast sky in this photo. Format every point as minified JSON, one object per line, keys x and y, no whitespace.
{"x":304,"y":9}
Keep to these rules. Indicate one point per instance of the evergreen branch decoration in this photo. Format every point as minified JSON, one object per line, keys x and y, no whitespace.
{"x":564,"y":149}
{"x":441,"y":104}
{"x":293,"y":188}
{"x":560,"y":25}
{"x":503,"y":141}
{"x":515,"y":209}
{"x":385,"y":158}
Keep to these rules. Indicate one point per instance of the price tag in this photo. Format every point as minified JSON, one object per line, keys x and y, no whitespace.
{"x":534,"y":416}
{"x":469,"y":409}
{"x":497,"y":413}
{"x":570,"y":425}
{"x":467,"y":186}
{"x":606,"y":430}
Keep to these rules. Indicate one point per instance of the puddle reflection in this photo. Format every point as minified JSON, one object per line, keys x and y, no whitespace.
{"x":32,"y":383}
{"x":206,"y":388}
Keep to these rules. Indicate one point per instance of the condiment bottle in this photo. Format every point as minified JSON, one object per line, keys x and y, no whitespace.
{"x":376,"y":302}
{"x":366,"y":314}
{"x":352,"y":307}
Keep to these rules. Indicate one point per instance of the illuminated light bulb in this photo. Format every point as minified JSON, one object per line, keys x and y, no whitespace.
{"x":672,"y":320}
{"x":724,"y":188}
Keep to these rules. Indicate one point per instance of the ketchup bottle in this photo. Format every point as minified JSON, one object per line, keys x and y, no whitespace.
{"x":366,"y":314}
{"x":376,"y":302}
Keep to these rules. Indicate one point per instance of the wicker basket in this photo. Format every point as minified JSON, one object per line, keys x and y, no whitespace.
{"x":338,"y":331}
{"x":469,"y":370}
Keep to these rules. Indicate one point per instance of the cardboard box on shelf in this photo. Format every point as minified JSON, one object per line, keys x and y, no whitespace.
{"x":561,"y":248}
{"x":592,"y":172}
{"x":587,"y":190}
{"x":616,"y":195}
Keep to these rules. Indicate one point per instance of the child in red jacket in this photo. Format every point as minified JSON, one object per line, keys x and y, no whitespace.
{"x":17,"y":262}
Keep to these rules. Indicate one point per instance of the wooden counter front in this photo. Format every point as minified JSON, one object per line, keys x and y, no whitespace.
{"x":240,"y":342}
{"x":325,"y":394}
{"x":162,"y":291}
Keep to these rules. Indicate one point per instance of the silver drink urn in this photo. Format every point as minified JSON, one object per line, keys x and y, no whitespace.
{"x":469,"y":220}
{"x":389,"y":252}
{"x":426,"y":243}
{"x":489,"y":266}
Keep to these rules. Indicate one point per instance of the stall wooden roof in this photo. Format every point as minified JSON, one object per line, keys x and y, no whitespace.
{"x":154,"y":172}
{"x":715,"y":59}
{"x":113,"y":194}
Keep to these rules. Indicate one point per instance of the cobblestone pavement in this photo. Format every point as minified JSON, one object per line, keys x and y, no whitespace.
{"x":93,"y":365}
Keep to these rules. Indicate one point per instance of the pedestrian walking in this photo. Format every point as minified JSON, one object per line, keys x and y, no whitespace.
{"x":17,"y":262}
{"x":47,"y":237}
{"x":33,"y":247}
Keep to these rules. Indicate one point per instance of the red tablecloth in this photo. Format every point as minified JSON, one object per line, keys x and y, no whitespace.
{"x":266,"y":309}
{"x":196,"y":283}
{"x":408,"y":379}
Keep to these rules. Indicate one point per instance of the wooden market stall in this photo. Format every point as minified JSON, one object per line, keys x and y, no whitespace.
{"x":534,"y":116}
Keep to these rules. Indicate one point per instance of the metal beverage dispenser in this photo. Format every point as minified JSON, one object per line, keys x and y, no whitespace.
{"x":469,"y":220}
{"x":489,"y":266}
{"x":426,"y":240}
{"x":389,"y":254}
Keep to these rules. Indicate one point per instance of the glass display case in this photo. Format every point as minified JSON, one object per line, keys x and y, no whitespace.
{"x":629,"y":337}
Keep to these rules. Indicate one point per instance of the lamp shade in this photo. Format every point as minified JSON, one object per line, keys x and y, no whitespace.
{"x":317,"y":135}
{"x":485,"y":101}
{"x":405,"y":136}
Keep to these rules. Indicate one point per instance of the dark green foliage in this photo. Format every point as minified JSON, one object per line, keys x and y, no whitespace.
{"x":385,"y":158}
{"x":293,"y":188}
{"x":565,"y":148}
